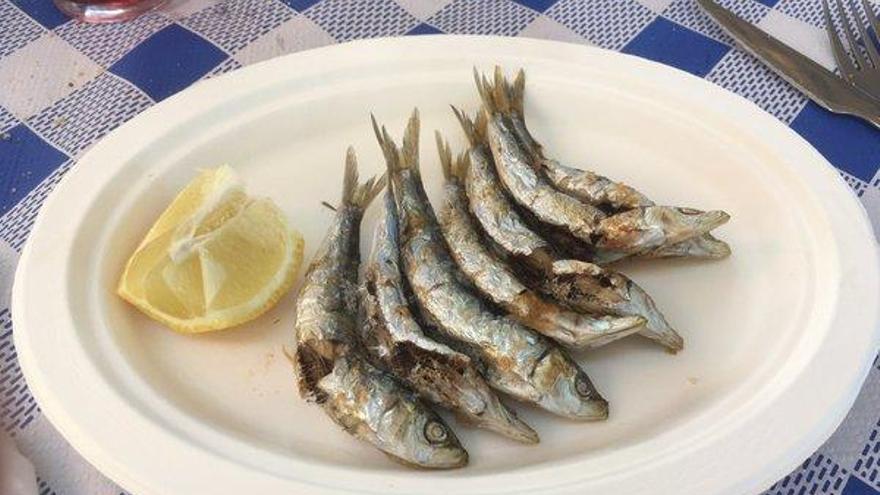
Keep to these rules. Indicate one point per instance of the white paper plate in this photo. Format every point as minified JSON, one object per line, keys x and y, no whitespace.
{"x":779,"y":336}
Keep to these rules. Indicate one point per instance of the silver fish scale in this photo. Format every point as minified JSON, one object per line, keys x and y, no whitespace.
{"x":596,"y":190}
{"x":593,"y":188}
{"x":533,"y":193}
{"x":327,"y":302}
{"x":463,"y":316}
{"x":490,"y":204}
{"x":511,"y":352}
{"x":471,"y":257}
{"x":437,"y":372}
{"x":383,"y":270}
{"x":492,"y":209}
{"x":333,"y":368}
{"x":518,"y":361}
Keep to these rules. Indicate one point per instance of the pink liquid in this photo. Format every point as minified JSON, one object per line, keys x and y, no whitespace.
{"x":106,"y":10}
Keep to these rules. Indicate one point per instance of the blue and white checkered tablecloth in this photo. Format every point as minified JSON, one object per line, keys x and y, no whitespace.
{"x":64,"y":85}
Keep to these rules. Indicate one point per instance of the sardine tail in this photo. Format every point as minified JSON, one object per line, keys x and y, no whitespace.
{"x":368,"y":191}
{"x":474,"y":129}
{"x":461,"y":164}
{"x":410,"y":149}
{"x":485,"y":90}
{"x":389,"y":149}
{"x":481,"y":126}
{"x":355,"y":194}
{"x":517,"y":92}
{"x":445,"y":154}
{"x":500,"y":91}
{"x":467,"y":125}
{"x":452,"y":168}
{"x":350,"y":178}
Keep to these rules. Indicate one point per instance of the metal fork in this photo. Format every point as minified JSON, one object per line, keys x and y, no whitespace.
{"x":865,"y":72}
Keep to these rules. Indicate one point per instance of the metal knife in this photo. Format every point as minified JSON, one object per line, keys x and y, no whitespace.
{"x":817,"y":82}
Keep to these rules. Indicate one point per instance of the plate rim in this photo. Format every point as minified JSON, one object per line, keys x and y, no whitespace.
{"x":54,"y":411}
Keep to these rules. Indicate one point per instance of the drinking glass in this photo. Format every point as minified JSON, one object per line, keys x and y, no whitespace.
{"x":106,"y":10}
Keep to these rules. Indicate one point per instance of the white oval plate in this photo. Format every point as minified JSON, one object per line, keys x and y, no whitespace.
{"x":778,"y":337}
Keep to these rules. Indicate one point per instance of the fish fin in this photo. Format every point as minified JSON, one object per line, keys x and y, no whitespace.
{"x":350,"y":178}
{"x":452,"y":168}
{"x":389,"y":150}
{"x":500,"y":91}
{"x":355,"y":194}
{"x":368,"y":191}
{"x":474,"y":129}
{"x":461,"y":165}
{"x":467,"y":125}
{"x":445,"y":156}
{"x":482,"y":126}
{"x":485,"y":90}
{"x":405,"y":157}
{"x":500,"y":95}
{"x":517,"y":92}
{"x":410,"y":149}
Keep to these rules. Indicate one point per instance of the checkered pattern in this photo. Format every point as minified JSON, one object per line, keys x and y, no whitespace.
{"x":64,"y":85}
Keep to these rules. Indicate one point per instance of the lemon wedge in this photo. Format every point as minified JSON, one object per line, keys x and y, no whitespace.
{"x":214,"y":259}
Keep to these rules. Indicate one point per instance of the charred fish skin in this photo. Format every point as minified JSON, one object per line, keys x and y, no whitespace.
{"x":590,"y":287}
{"x":583,"y":286}
{"x":436,"y":372}
{"x":370,"y":405}
{"x":518,"y":361}
{"x":499,"y":284}
{"x":592,"y":188}
{"x":331,"y":365}
{"x":616,"y":197}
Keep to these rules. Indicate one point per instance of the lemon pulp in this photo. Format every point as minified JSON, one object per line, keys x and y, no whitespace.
{"x":214,"y":259}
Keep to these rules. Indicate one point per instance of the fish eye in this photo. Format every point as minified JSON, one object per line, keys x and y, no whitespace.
{"x":583,"y":387}
{"x":435,"y":432}
{"x":605,"y":281}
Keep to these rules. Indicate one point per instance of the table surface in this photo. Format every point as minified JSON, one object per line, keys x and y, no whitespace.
{"x":64,"y":85}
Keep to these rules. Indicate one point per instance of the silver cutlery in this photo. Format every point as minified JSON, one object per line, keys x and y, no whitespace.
{"x":865,"y":72}
{"x":829,"y":90}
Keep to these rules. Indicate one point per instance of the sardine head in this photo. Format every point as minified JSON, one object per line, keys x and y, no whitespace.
{"x":641,"y":229}
{"x":566,"y":390}
{"x":431,"y":443}
{"x":495,"y":416}
{"x":656,"y":328}
{"x":679,"y":224}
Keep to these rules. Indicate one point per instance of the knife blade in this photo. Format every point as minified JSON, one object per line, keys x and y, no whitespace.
{"x":820,"y":84}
